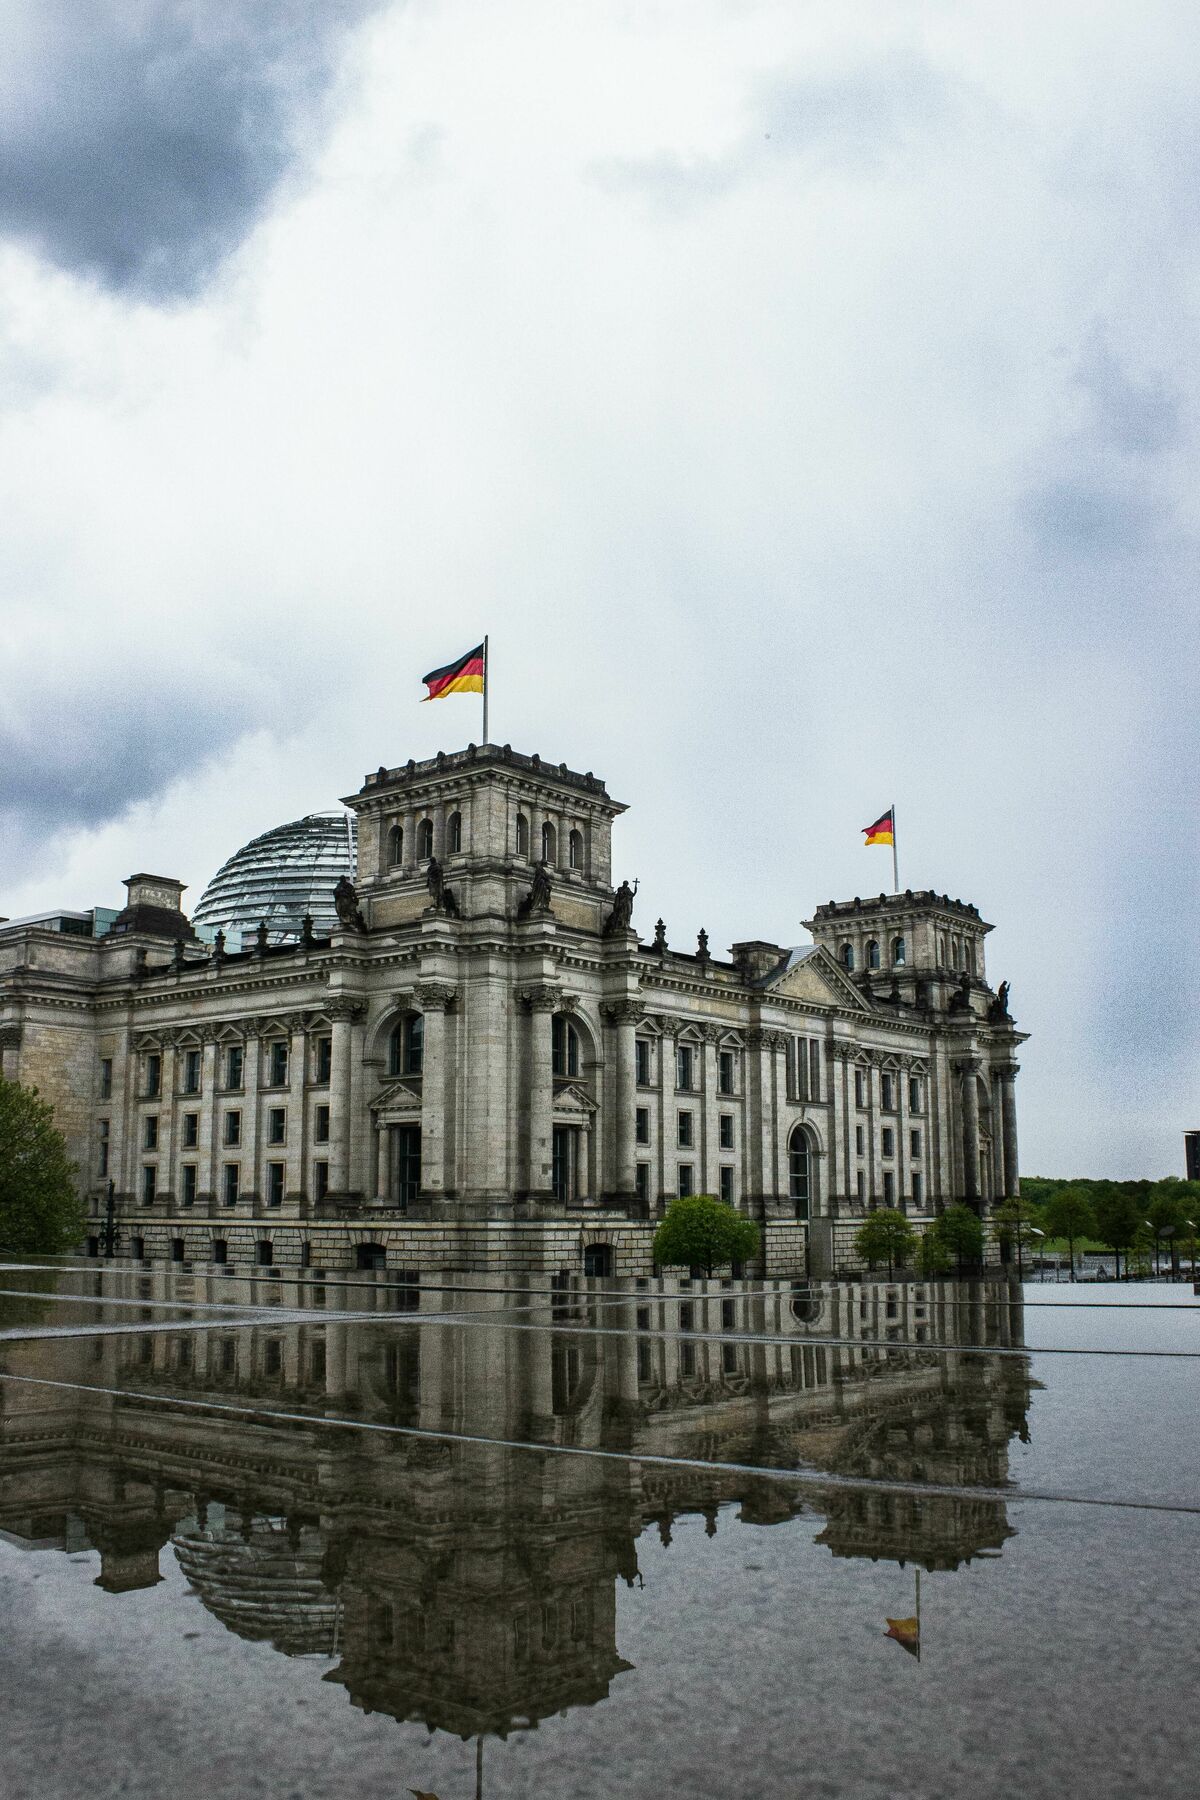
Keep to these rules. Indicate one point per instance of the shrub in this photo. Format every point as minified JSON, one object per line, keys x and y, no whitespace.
{"x":703,"y":1232}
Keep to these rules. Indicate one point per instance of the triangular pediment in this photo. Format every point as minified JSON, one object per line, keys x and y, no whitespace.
{"x":572,"y":1100}
{"x":815,"y":977}
{"x":398,"y":1096}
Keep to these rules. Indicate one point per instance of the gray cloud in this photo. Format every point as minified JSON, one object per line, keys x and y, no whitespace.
{"x":140,"y":139}
{"x":860,"y":119}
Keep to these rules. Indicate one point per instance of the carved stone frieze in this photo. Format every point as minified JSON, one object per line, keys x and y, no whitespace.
{"x":436,"y":996}
{"x":540,"y":998}
{"x":622,"y":1012}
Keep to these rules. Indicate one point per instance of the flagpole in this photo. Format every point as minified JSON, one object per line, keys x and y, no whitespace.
{"x":895,"y":850}
{"x":485,"y":689}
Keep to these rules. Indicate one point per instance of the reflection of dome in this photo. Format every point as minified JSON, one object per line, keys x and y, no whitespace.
{"x":266,"y":1587}
{"x":277,"y":878}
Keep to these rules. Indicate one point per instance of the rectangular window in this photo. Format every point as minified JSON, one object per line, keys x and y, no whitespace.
{"x":889,"y":1141}
{"x":106,"y":1077}
{"x":177,"y":1250}
{"x":191,"y":1071}
{"x":725,"y":1177}
{"x":641,"y":1127}
{"x":277,"y":1063}
{"x":233,"y":1127}
{"x":889,"y":1188}
{"x":149,"y":1184}
{"x":410,"y":1164}
{"x":686,"y":1179}
{"x":685,"y":1131}
{"x":915,"y":1097}
{"x":187,"y":1177}
{"x":272,"y":1356}
{"x":233,"y":1066}
{"x":324,"y":1058}
{"x":725,"y":1131}
{"x":860,"y":1187}
{"x":860,"y":1141}
{"x":914,"y":1142}
{"x":150,"y":1132}
{"x":860,"y":1088}
{"x":321,"y":1125}
{"x":231,"y":1183}
{"x":276,"y":1125}
{"x":641,"y":1180}
{"x":220,"y":1254}
{"x":814,"y":1068}
{"x":191,"y":1130}
{"x":153,"y":1075}
{"x":887,"y":1092}
{"x":641,"y":1062}
{"x":725,"y":1072}
{"x":684,"y":1067}
{"x":917,"y":1187}
{"x":103,"y":1163}
{"x":275,"y":1184}
{"x":320,"y":1180}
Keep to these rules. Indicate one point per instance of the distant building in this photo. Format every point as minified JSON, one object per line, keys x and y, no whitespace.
{"x":1191,"y":1154}
{"x":476,"y":1061}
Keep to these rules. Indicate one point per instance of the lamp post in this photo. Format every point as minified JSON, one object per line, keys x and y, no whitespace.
{"x":1035,"y":1232}
{"x":1191,"y":1225}
{"x":1154,"y":1253}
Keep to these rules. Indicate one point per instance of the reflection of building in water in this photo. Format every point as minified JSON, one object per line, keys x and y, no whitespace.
{"x":468,"y":1584}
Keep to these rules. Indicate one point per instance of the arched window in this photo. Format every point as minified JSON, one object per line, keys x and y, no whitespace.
{"x":899,"y":952}
{"x":425,"y":840}
{"x":564,"y":1047}
{"x":370,"y":1256}
{"x":522,"y":835}
{"x":395,"y":847}
{"x":799,"y":1172}
{"x":454,"y":834}
{"x":549,"y":843}
{"x":848,"y":956}
{"x":575,"y":850}
{"x":873,"y":954}
{"x":406,"y":1046}
{"x":941,"y":952}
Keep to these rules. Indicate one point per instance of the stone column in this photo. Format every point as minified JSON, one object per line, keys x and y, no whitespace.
{"x":166,"y":1119}
{"x":208,"y":1120}
{"x":408,"y":825}
{"x":249,"y":1149}
{"x":710,"y":1113}
{"x":433,"y":997}
{"x":903,"y":1156}
{"x":1008,"y":1103}
{"x":968,"y":1069}
{"x":542,"y":1002}
{"x":667,"y":1127}
{"x":841,"y":1160}
{"x":341,"y":1014}
{"x":297,"y":1071}
{"x":623,"y":1016}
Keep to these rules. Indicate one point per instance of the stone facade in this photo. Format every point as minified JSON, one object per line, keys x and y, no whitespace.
{"x":484,"y":1065}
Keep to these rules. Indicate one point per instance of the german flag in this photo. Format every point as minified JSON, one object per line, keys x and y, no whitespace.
{"x":883,"y":831}
{"x":466,"y":676}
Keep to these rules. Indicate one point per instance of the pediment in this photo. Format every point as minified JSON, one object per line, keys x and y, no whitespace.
{"x":397,"y":1096}
{"x":816,"y":978}
{"x":571,"y":1100}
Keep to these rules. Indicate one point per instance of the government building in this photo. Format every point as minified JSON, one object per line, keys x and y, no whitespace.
{"x":426,"y":1035}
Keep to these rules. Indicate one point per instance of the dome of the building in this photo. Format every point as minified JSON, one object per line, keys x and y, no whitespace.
{"x":277,"y":878}
{"x":263,"y":1584}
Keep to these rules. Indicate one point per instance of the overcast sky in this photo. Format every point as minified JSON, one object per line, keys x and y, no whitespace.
{"x":802,"y":395}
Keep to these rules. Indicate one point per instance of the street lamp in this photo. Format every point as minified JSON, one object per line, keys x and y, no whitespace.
{"x":1035,"y":1232}
{"x":1191,"y":1225}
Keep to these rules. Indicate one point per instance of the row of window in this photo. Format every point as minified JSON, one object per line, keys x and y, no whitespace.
{"x":231,"y":1183}
{"x":231,"y":1073}
{"x":231,"y":1131}
{"x":891,"y":1197}
{"x":887,"y":1141}
{"x":685,"y":1129}
{"x":687,"y":1066}
{"x":874,"y":955}
{"x":549,"y":843}
{"x":424,"y":841}
{"x":889,"y":1091}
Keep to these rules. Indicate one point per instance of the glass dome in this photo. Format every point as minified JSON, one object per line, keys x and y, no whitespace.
{"x":277,"y":878}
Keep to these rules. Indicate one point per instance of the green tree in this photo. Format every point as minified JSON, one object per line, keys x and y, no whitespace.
{"x":1118,"y":1216}
{"x":1070,"y":1215}
{"x":700,"y":1231}
{"x":885,"y":1236}
{"x":40,"y":1211}
{"x":961,"y":1232}
{"x":1014,"y":1219}
{"x":1170,"y":1205}
{"x":933,"y":1258}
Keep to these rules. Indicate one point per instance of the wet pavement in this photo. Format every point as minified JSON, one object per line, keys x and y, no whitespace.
{"x":289,"y":1534}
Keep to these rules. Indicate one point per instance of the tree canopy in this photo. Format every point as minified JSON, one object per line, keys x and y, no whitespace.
{"x":700,"y":1231}
{"x":1069,"y":1214}
{"x":961,"y":1232}
{"x":40,"y":1211}
{"x":885,"y":1236}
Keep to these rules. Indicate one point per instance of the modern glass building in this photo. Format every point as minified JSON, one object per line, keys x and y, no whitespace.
{"x":276,"y":879}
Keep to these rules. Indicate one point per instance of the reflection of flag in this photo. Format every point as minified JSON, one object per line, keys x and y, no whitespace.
{"x":881,"y":832}
{"x":907,"y":1633}
{"x":466,"y":676}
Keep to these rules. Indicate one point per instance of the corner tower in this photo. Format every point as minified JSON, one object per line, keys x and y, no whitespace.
{"x":468,"y":829}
